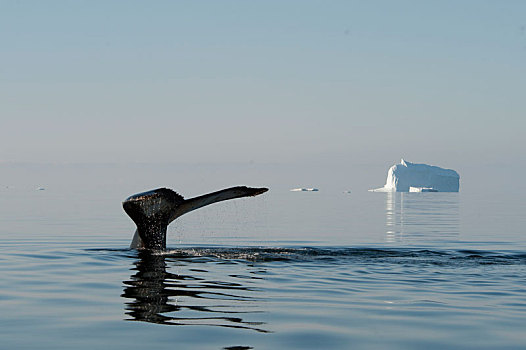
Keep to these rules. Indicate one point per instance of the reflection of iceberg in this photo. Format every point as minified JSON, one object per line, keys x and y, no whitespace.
{"x":401,"y":177}
{"x":421,"y":216}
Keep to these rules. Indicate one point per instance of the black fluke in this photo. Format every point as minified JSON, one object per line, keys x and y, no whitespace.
{"x":152,"y":211}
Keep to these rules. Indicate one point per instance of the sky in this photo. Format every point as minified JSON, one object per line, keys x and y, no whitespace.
{"x":326,"y":82}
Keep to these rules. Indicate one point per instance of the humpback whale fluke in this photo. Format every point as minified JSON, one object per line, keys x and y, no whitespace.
{"x":154,"y":210}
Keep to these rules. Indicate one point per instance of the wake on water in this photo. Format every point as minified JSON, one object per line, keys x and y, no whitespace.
{"x":339,"y":255}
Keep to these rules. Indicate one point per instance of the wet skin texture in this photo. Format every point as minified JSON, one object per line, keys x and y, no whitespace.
{"x":153,"y":211}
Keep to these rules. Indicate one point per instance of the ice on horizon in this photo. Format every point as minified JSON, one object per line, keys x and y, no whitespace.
{"x":421,"y":177}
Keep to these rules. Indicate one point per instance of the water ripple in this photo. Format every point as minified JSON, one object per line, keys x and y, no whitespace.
{"x":345,"y":255}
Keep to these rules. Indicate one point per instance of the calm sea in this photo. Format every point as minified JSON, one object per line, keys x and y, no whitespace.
{"x":286,"y":270}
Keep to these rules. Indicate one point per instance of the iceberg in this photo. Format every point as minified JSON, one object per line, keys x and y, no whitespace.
{"x":304,"y":189}
{"x":412,"y":177}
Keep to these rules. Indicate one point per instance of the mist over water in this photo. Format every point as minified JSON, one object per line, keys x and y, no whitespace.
{"x":294,"y":270}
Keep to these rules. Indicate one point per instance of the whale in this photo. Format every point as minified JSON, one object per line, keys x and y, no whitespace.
{"x":152,"y":211}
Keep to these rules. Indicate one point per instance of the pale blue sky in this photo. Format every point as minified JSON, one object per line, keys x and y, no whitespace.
{"x":442,"y":82}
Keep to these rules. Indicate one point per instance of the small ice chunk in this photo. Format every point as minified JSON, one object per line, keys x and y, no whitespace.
{"x":302,"y":189}
{"x":421,"y":189}
{"x":40,"y":188}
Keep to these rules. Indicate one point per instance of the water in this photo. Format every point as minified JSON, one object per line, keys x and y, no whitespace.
{"x":326,"y":270}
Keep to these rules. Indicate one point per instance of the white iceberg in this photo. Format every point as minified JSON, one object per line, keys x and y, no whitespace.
{"x":304,"y":189}
{"x":421,"y":177}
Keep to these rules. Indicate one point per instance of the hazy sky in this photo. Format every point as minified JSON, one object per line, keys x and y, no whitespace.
{"x":263,"y":81}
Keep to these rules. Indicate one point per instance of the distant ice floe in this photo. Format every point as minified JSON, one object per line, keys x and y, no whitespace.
{"x":421,"y":177}
{"x":40,"y":188}
{"x":301,"y":189}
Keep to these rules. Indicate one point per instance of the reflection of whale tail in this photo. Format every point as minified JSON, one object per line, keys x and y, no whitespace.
{"x":156,"y":295}
{"x":152,"y":211}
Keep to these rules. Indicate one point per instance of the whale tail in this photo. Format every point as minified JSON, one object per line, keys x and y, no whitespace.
{"x":153,"y":211}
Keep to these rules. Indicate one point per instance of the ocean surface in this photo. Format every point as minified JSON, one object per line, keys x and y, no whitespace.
{"x":285,"y":270}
